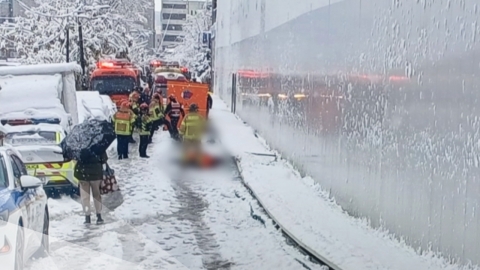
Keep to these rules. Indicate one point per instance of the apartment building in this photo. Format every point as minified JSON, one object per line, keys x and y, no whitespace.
{"x":173,"y":16}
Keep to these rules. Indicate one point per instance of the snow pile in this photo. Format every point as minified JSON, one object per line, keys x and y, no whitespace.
{"x":307,"y":212}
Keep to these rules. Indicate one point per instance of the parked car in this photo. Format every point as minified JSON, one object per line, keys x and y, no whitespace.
{"x":92,"y":104}
{"x":24,"y":219}
{"x":39,"y":146}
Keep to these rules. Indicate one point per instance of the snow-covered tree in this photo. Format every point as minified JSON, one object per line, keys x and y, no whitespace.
{"x":107,"y":28}
{"x":191,"y":53}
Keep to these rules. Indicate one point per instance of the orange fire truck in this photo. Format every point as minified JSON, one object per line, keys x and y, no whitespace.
{"x":116,"y":78}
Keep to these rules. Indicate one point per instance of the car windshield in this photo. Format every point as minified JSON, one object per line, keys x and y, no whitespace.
{"x":31,"y":138}
{"x":112,"y":85}
{"x":3,"y":173}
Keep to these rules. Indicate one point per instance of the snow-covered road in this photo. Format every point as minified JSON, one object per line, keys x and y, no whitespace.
{"x":167,"y":220}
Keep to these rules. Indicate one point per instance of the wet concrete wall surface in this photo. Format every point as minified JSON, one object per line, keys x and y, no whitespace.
{"x":377,"y":100}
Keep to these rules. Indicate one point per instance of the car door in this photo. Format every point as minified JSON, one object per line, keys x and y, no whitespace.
{"x":27,"y":202}
{"x":40,"y":198}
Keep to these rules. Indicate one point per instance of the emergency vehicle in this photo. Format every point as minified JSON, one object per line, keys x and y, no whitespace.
{"x":154,"y":64}
{"x":115,"y":78}
{"x":38,"y":142}
{"x":162,"y":75}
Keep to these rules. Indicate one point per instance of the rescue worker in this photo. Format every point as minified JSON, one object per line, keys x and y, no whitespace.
{"x":145,"y":97}
{"x":123,"y":121}
{"x":159,"y":115}
{"x":209,"y":102}
{"x":134,"y":106}
{"x":145,"y":121}
{"x":174,"y":111}
{"x":155,"y":114}
{"x":192,"y":128}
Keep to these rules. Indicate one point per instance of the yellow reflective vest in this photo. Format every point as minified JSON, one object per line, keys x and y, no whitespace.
{"x":192,"y":127}
{"x":123,"y":122}
{"x":146,"y":124}
{"x":155,"y":111}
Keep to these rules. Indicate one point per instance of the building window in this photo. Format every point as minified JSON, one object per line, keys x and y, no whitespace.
{"x":173,"y":27}
{"x":174,"y":16}
{"x":174,"y":6}
{"x":172,"y":38}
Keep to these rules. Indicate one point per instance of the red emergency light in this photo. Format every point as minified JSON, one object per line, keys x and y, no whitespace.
{"x":17,"y":122}
{"x":106,"y":64}
{"x":155,"y":63}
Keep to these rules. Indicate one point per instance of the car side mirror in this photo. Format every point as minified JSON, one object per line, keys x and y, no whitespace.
{"x":27,"y":181}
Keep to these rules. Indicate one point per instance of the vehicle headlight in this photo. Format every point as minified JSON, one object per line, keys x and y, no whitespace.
{"x":4,"y":217}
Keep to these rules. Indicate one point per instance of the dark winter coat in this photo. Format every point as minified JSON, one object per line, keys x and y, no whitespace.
{"x":145,"y":98}
{"x":90,"y":170}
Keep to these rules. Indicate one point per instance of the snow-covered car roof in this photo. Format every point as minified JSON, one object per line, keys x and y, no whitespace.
{"x":39,"y":127}
{"x":6,"y":147}
{"x":112,"y":107}
{"x":92,"y":104}
{"x":18,"y":93}
{"x":20,"y":97}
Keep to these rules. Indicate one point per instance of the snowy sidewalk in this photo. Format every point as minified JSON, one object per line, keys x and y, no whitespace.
{"x":306,"y":212}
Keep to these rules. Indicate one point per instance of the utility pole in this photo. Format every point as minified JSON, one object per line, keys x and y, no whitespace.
{"x":10,"y":11}
{"x":68,"y":43}
{"x":80,"y":45}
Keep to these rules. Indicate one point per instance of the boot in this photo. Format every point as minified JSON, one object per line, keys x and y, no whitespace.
{"x":99,"y":219}
{"x":88,"y":221}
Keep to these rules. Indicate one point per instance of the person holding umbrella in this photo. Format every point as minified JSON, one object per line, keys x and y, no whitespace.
{"x":90,"y":175}
{"x":87,"y":144}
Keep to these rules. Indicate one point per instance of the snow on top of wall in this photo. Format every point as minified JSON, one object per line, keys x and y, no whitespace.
{"x":40,"y":69}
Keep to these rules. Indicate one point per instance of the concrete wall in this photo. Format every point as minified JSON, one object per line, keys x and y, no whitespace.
{"x":391,"y":121}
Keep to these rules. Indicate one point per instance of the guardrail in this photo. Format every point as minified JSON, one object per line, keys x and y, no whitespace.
{"x":314,"y":256}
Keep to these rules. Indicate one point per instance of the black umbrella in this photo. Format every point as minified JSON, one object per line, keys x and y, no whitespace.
{"x":88,"y":140}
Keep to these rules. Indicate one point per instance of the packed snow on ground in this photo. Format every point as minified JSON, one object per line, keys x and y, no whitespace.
{"x":116,"y":244}
{"x":168,"y":218}
{"x":300,"y":206}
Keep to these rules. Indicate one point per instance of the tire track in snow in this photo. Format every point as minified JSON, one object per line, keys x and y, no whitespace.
{"x":192,"y":208}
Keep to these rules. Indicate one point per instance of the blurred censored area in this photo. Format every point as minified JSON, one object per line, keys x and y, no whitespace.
{"x":377,"y":100}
